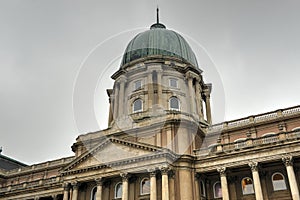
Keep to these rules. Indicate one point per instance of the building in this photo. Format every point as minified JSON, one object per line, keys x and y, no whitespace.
{"x":161,"y":144}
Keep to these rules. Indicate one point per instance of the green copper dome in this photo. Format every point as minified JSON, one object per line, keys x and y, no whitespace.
{"x":159,"y":41}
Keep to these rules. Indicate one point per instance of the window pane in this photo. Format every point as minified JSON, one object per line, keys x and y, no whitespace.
{"x":278,"y":182}
{"x":137,"y":85}
{"x":173,"y":83}
{"x":247,"y":186}
{"x":202,"y":189}
{"x":118,"y":192}
{"x":217,"y":190}
{"x":145,"y":186}
{"x":174,"y":103}
{"x":137,"y":105}
{"x":94,"y":193}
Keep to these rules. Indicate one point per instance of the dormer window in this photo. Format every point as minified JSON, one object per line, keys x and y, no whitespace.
{"x":137,"y":85}
{"x":173,"y":83}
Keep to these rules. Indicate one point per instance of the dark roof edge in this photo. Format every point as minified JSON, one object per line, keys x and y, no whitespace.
{"x":13,"y":160}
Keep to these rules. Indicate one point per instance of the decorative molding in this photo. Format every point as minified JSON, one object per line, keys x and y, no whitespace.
{"x":254,"y":166}
{"x":222,"y":171}
{"x":152,"y":172}
{"x":75,"y":185}
{"x":287,"y":160}
{"x":125,"y":176}
{"x":99,"y":181}
{"x":164,"y":170}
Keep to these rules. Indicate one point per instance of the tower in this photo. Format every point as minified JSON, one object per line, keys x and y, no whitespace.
{"x":159,"y":92}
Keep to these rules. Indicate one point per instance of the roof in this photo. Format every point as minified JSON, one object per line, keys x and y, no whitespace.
{"x":159,"y":41}
{"x":7,"y":163}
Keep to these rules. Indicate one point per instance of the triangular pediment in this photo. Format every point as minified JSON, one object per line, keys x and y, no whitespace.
{"x":112,"y":150}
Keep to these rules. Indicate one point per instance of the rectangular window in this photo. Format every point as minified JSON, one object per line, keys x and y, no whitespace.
{"x":173,"y":83}
{"x":137,"y":85}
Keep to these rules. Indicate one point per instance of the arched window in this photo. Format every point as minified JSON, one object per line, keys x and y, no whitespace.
{"x":93,"y":193}
{"x":269,"y":138}
{"x":296,"y":132}
{"x":247,"y":186}
{"x":240,"y":143}
{"x":145,"y":186}
{"x":217,"y":190}
{"x":174,"y":103}
{"x":278,"y":182}
{"x":202,"y":189}
{"x":137,"y":105}
{"x":296,"y":129}
{"x":118,"y":190}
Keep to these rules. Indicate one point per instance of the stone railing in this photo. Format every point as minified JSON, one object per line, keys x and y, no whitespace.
{"x":41,"y":165}
{"x":31,"y":184}
{"x":248,"y":143}
{"x":255,"y":119}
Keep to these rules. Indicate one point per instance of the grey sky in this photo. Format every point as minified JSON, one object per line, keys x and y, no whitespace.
{"x":46,"y":53}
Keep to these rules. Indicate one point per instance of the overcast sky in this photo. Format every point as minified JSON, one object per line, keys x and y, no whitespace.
{"x":57,"y":56}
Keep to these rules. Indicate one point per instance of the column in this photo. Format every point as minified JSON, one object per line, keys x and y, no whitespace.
{"x":224,"y":185}
{"x":256,"y":180}
{"x":199,"y":99}
{"x":197,"y":186}
{"x":99,"y":182}
{"x":121,"y":95}
{"x":208,"y":108}
{"x":115,"y":98}
{"x":159,"y":88}
{"x":110,"y":116}
{"x":75,"y":191}
{"x":153,"y":190}
{"x":66,"y":191}
{"x":288,"y":161}
{"x":192,"y":96}
{"x":164,"y":183}
{"x":125,"y":187}
{"x":150,"y":90}
{"x":171,"y":185}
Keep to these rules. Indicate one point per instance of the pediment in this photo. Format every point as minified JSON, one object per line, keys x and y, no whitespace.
{"x":110,"y":151}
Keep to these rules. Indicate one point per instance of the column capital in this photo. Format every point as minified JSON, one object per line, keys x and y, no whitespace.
{"x":164,"y":170}
{"x":99,"y":181}
{"x":152,"y":172}
{"x":222,"y":171}
{"x":287,"y":160}
{"x":66,"y":186}
{"x":254,"y":166}
{"x":124,"y":176}
{"x":75,"y":185}
{"x":122,"y":79}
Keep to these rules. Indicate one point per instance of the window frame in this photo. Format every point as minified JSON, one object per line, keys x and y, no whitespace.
{"x":92,"y":191}
{"x":243,"y":192}
{"x":170,"y":104}
{"x":134,"y":85}
{"x":141,"y":186}
{"x":116,"y":192}
{"x":202,"y":186}
{"x":283,"y":180}
{"x":175,"y":81}
{"x":240,"y":143}
{"x":214,"y":190}
{"x":133,"y":106}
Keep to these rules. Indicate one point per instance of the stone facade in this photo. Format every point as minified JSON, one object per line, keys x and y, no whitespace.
{"x":160,"y":144}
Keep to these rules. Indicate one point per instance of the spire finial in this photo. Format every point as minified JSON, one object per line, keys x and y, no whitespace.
{"x":157,"y":15}
{"x":157,"y":24}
